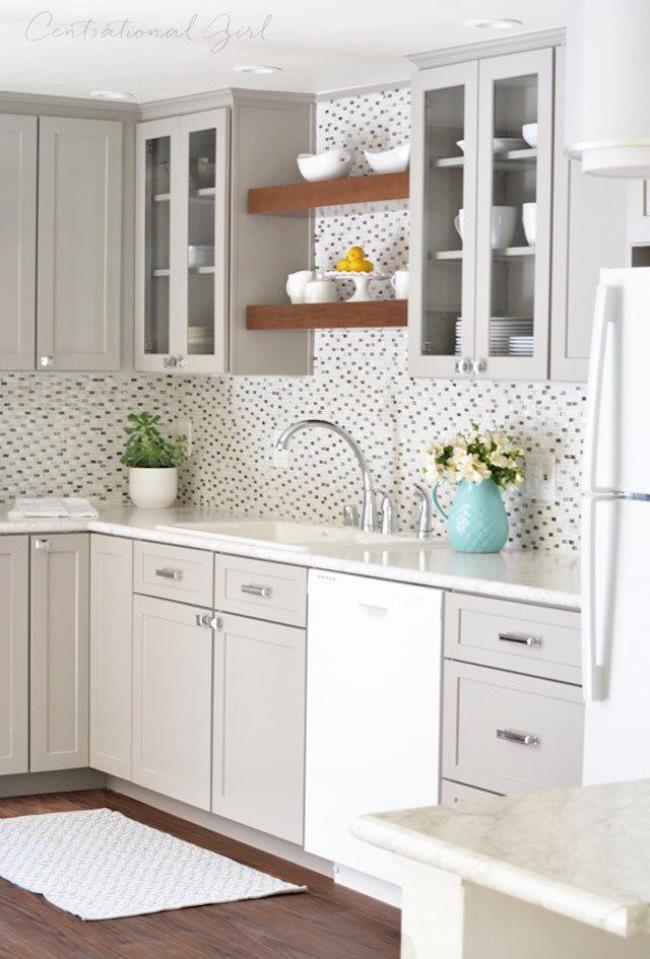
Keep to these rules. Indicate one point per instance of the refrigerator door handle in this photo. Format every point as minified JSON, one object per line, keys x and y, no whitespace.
{"x":604,"y":313}
{"x":594,"y":674}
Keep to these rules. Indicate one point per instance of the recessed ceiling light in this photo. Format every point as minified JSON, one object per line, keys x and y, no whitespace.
{"x":497,"y":23}
{"x":257,"y":70}
{"x":111,"y":95}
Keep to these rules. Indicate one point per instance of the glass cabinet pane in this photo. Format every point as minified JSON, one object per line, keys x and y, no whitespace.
{"x":513,"y":217}
{"x":444,"y":221}
{"x":157,"y":245}
{"x":201,"y":181}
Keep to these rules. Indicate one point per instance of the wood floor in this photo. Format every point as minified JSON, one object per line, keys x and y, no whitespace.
{"x":328,"y":922}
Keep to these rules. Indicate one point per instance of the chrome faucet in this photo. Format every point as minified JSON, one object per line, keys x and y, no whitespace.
{"x":425,"y":513}
{"x":368,"y":513}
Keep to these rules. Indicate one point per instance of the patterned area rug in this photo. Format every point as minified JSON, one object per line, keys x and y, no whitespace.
{"x":98,"y":864}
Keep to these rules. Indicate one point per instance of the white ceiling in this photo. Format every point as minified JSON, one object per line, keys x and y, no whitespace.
{"x":321,"y":47}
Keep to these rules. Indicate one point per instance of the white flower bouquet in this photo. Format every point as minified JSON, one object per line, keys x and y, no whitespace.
{"x":474,"y":457}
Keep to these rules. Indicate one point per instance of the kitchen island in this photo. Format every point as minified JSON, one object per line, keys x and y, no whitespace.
{"x":561,"y":873}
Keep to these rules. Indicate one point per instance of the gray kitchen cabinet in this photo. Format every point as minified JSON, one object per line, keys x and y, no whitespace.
{"x":59,"y":651}
{"x":172,"y":699}
{"x":201,"y":258}
{"x":480,"y":303}
{"x":14,"y":654}
{"x":18,"y":139}
{"x":442,"y":182}
{"x":259,"y":725}
{"x":509,"y":733}
{"x":589,"y":232}
{"x":111,"y":653}
{"x":79,"y":244}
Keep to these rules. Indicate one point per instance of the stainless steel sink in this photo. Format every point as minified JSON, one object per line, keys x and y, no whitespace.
{"x":285,"y":534}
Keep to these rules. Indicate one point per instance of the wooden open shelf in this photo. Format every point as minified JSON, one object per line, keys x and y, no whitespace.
{"x":299,"y":197}
{"x":322,"y":316}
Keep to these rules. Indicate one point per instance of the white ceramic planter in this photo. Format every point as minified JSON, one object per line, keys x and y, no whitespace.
{"x":153,"y":488}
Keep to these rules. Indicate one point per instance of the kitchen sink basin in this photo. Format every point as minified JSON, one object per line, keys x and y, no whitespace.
{"x":285,"y":534}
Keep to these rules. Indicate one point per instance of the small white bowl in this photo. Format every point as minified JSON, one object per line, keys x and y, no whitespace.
{"x":395,"y":160}
{"x":329,"y":165}
{"x":499,"y":144}
{"x":529,"y":133}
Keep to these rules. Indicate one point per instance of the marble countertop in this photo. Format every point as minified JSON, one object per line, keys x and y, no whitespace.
{"x":583,"y":853}
{"x":538,"y":576}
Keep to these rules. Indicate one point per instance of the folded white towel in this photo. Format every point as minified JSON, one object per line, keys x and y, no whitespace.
{"x":52,"y":507}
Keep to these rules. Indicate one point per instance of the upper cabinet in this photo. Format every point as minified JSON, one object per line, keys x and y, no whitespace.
{"x":481,"y":199}
{"x":182,"y":264}
{"x":508,"y":236}
{"x":201,"y":258}
{"x":18,"y":138}
{"x":61,"y":310}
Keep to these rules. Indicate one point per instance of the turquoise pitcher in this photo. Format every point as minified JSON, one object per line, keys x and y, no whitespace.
{"x":477,"y":521}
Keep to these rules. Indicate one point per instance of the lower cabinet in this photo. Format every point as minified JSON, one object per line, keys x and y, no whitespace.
{"x":59,"y":648}
{"x":172,"y":699}
{"x":14,"y":655}
{"x":111,"y":652}
{"x":259,"y":723}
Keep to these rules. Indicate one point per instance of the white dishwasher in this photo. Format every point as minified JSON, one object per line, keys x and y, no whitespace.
{"x":374,"y":664}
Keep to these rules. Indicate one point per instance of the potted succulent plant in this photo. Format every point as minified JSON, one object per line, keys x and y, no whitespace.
{"x":153,"y":462}
{"x":484,"y":464}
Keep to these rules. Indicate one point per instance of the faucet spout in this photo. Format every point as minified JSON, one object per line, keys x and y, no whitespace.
{"x":368,"y":515}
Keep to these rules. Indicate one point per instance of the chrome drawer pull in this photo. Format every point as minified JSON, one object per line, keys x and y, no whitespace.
{"x":520,"y":640}
{"x":264,"y":591}
{"x":165,"y":573}
{"x":524,"y":739}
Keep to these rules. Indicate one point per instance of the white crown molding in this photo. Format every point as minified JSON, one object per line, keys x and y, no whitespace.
{"x":496,"y":47}
{"x":46,"y":104}
{"x":198,"y":102}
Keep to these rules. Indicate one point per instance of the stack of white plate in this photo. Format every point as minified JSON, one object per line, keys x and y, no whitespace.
{"x":509,"y":336}
{"x":200,"y":339}
{"x":504,"y":329}
{"x":521,"y":346}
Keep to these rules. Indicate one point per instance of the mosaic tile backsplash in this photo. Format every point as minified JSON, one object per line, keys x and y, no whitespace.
{"x":63,"y":432}
{"x":361,"y":381}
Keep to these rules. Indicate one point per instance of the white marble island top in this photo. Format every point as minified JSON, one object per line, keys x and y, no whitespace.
{"x":582,"y":853}
{"x":537,"y":576}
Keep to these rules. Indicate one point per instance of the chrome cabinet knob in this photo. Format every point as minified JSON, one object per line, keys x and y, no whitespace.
{"x":181,"y":362}
{"x":464,"y":365}
{"x":479,"y":366}
{"x":46,"y":361}
{"x":41,"y":544}
{"x":170,"y":362}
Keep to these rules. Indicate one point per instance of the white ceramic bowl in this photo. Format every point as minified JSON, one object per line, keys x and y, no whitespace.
{"x":329,"y":165}
{"x":499,"y":144}
{"x":395,"y":160}
{"x":529,"y":133}
{"x":198,"y":256}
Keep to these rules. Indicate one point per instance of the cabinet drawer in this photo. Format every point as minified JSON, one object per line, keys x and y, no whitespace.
{"x":451,"y":793}
{"x":173,"y":572}
{"x":514,"y":636}
{"x":508,"y":733}
{"x":263,"y":590}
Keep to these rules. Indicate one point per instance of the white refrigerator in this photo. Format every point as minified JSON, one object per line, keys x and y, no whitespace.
{"x":616,"y":533}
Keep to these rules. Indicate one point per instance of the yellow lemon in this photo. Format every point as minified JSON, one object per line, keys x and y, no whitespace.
{"x":367,"y":266}
{"x":356,"y":253}
{"x":343,"y":265}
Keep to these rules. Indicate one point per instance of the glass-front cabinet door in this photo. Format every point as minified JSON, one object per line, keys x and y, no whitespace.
{"x":514,"y":215}
{"x":181,"y":245}
{"x":443,"y":220}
